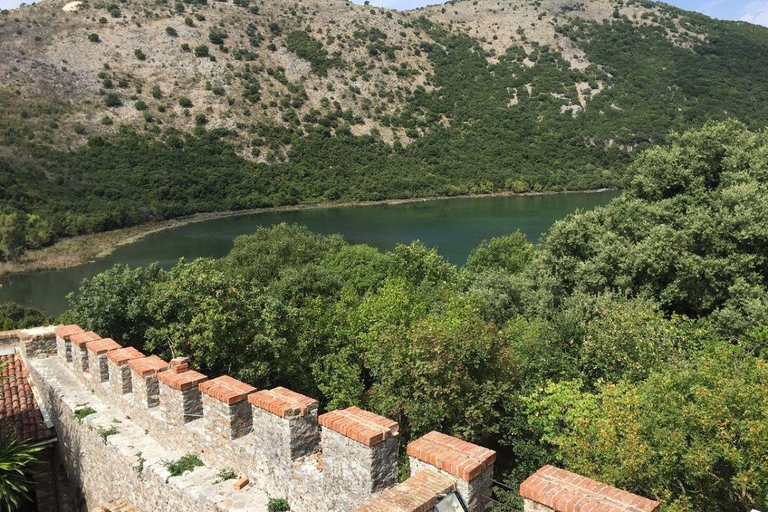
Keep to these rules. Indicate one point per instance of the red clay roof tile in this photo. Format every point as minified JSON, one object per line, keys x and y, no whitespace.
{"x":18,"y":407}
{"x":147,"y":366}
{"x":564,"y":491}
{"x":459,"y":458}
{"x":226,"y":389}
{"x":362,"y":426}
{"x":121,"y":356}
{"x":102,"y":346}
{"x":283,"y":402}
{"x":81,"y":338}
{"x":181,"y":381}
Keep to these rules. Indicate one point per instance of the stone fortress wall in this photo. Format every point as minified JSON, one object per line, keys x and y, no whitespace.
{"x":144,"y":412}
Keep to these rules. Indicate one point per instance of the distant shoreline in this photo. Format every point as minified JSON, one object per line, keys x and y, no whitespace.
{"x":80,"y":250}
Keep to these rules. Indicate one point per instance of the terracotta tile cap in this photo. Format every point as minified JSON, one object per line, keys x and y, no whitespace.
{"x":80,"y":339}
{"x":102,"y":346}
{"x":181,"y":381}
{"x":121,"y":356}
{"x":226,"y":389}
{"x":63,"y":331}
{"x":459,"y":458}
{"x":362,"y":426}
{"x":283,"y":402}
{"x":417,"y":494}
{"x":563,"y":491}
{"x":147,"y":366}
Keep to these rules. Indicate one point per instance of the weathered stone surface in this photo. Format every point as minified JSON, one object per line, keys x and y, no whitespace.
{"x":474,"y":491}
{"x":180,"y":406}
{"x":130,"y":463}
{"x":470,"y":466}
{"x":227,"y":421}
{"x":355,"y":471}
{"x":119,"y":378}
{"x":37,"y":342}
{"x":146,"y":390}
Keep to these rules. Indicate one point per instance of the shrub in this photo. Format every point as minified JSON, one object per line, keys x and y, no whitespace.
{"x":225,"y":474}
{"x":185,"y":102}
{"x":113,"y":100}
{"x":80,"y":414}
{"x":278,"y":505}
{"x":201,"y":51}
{"x":188,"y":21}
{"x":106,"y":432}
{"x":171,"y":31}
{"x":16,"y":316}
{"x":186,"y":463}
{"x":94,"y":38}
{"x":185,"y":47}
{"x":157,"y":93}
{"x":201,"y":119}
{"x":140,"y":105}
{"x":217,"y":37}
{"x":139,"y":53}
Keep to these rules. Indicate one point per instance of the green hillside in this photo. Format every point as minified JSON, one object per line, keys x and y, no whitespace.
{"x":324,"y":100}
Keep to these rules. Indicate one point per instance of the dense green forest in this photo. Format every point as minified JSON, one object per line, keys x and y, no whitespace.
{"x":464,"y":136}
{"x":630,"y":345}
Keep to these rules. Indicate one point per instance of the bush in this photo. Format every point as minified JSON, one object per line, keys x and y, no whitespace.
{"x":112,"y":99}
{"x":82,"y":413}
{"x":94,"y":38}
{"x":201,"y":51}
{"x":140,"y":105}
{"x":171,"y":31}
{"x":278,"y":505}
{"x":186,"y":463}
{"x":200,"y":119}
{"x":16,"y":316}
{"x":104,"y":433}
{"x":185,"y":102}
{"x":217,"y":37}
{"x":139,"y":53}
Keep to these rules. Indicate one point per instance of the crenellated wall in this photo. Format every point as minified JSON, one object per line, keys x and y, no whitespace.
{"x":158,"y":411}
{"x":145,"y":412}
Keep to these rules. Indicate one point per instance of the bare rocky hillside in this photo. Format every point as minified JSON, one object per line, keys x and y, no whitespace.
{"x":74,"y":68}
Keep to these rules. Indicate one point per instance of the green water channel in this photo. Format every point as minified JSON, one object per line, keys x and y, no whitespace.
{"x":454,"y":226}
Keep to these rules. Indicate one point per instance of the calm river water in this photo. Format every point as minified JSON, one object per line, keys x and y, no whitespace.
{"x":454,"y":226}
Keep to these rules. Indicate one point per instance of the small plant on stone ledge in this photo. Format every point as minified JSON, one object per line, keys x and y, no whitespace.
{"x":224,"y":474}
{"x":278,"y":505}
{"x":80,"y":414}
{"x":140,"y":464}
{"x":106,"y":432}
{"x":186,"y":463}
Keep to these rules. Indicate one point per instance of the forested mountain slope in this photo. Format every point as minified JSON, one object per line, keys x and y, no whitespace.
{"x":116,"y":113}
